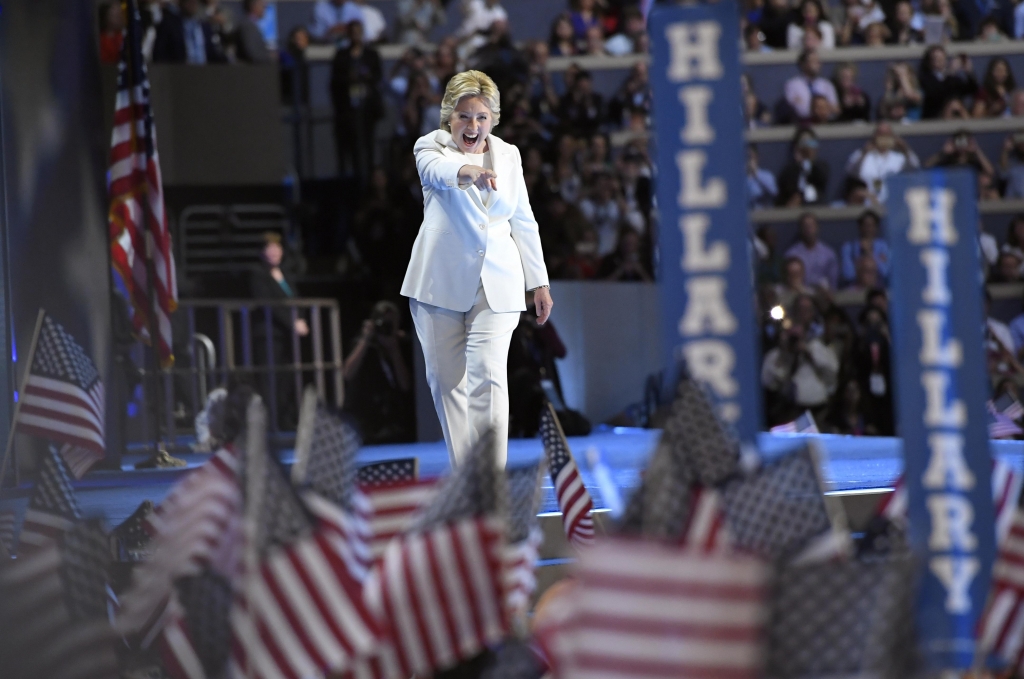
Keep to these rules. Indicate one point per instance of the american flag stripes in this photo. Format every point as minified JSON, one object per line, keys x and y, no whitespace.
{"x":299,"y":610}
{"x":706,"y":528}
{"x":395,"y":494}
{"x":53,"y":610}
{"x":137,"y":219}
{"x":63,"y":399}
{"x":52,"y":507}
{"x":1001,"y":630}
{"x":524,"y":537}
{"x":1009,"y":406}
{"x":804,"y":424}
{"x":8,"y":519}
{"x":645,"y":609}
{"x":573,"y":498}
{"x":1000,"y":426}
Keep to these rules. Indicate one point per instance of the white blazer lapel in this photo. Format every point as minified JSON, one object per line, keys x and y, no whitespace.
{"x":450,"y":149}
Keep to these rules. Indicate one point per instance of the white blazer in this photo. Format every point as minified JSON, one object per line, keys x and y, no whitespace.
{"x":462,"y":242}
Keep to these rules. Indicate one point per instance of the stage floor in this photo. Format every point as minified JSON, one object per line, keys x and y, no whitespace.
{"x":850,"y":465}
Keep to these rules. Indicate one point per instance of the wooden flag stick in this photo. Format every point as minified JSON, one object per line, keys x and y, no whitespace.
{"x":21,"y":397}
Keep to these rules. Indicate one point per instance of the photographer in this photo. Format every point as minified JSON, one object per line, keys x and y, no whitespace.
{"x":800,"y":374}
{"x":378,"y":385}
{"x":962,"y":150}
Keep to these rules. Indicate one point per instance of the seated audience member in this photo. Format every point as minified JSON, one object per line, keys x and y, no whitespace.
{"x":893,"y":110}
{"x":868,"y":243}
{"x":478,"y":17}
{"x":1015,"y":237}
{"x":632,"y":25}
{"x":857,"y":16}
{"x":753,"y":39}
{"x":903,"y":25}
{"x":884,"y":155}
{"x":755,"y":112}
{"x":990,"y":31}
{"x":794,"y":282}
{"x":1016,"y":327}
{"x":943,"y":79}
{"x":804,"y":179}
{"x":804,"y":310}
{"x":800,"y":374}
{"x":962,"y":150}
{"x":626,"y":263}
{"x":1007,"y":268}
{"x":999,"y":348}
{"x":775,"y":20}
{"x":821,"y":266}
{"x":865,"y":274}
{"x":111,"y":31}
{"x":872,"y":364}
{"x":584,"y":261}
{"x":417,"y":18}
{"x":378,"y":382}
{"x":993,"y":97}
{"x":901,"y":85}
{"x":183,"y":36}
{"x":561,"y":40}
{"x":822,"y":112}
{"x":581,"y":108}
{"x":633,"y":96}
{"x":593,"y":42}
{"x":801,"y":88}
{"x":761,"y":187}
{"x":876,"y":34}
{"x":955,"y":109}
{"x":607,"y":211}
{"x":250,"y":46}
{"x":855,"y":194}
{"x":811,"y":39}
{"x":938,"y":22}
{"x":584,"y":15}
{"x":1017,"y":103}
{"x":331,"y":18}
{"x":854,"y":103}
{"x":1011,"y":164}
{"x":768,"y":265}
{"x":810,"y":13}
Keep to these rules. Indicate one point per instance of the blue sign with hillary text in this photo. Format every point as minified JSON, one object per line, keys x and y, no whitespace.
{"x":704,"y":254}
{"x":941,"y":390}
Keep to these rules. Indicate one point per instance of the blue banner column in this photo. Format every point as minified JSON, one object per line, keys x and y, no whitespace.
{"x":941,"y":389}
{"x":707,"y":293}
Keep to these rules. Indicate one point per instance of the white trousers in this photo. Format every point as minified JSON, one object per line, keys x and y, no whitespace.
{"x":466,"y":356}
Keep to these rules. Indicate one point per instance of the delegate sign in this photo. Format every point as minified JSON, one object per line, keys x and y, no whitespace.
{"x":941,"y":389}
{"x":704,"y":253}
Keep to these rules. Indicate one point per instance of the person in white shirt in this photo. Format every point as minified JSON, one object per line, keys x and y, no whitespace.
{"x":884,"y":155}
{"x":373,"y":21}
{"x":811,"y":14}
{"x":801,"y":88}
{"x":478,"y":16}
{"x":330,"y":19}
{"x":477,"y":253}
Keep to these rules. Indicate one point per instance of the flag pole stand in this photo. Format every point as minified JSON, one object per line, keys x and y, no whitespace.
{"x":21,"y":394}
{"x":160,"y":458}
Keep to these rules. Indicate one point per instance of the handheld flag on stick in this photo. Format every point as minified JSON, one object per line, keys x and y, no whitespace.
{"x":573,"y":498}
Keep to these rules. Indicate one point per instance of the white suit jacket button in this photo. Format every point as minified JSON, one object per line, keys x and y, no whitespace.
{"x":480,"y":252}
{"x":482,"y":226}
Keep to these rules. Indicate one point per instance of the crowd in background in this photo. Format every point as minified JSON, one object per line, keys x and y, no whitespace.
{"x":590,"y":175}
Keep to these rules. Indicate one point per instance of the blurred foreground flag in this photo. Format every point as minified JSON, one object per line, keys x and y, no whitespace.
{"x":573,"y":498}
{"x":396,"y":494}
{"x":63,"y":399}
{"x":52,"y":507}
{"x":643,"y":609}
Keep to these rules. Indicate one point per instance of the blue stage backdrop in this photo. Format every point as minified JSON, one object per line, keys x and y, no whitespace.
{"x":941,"y":391}
{"x":707,"y":294}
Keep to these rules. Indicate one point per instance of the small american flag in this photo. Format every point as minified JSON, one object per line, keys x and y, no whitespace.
{"x":804,"y":424}
{"x":137,"y":219}
{"x":52,"y":508}
{"x":573,"y":498}
{"x":299,"y":610}
{"x":1001,"y":426}
{"x":63,"y":398}
{"x":8,"y":519}
{"x":707,"y":528}
{"x":646,"y":609}
{"x":325,"y":453}
{"x":439,"y":587}
{"x":396,"y":494}
{"x":1009,"y":406}
{"x":1001,"y":630}
{"x":54,"y":610}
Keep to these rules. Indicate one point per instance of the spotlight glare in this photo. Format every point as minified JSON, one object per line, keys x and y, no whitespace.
{"x":777,"y":313}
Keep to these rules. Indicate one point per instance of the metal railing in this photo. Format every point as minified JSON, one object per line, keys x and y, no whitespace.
{"x":226,"y":339}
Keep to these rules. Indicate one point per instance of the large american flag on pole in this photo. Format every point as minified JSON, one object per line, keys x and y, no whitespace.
{"x":137,"y":220}
{"x":573,"y":498}
{"x":63,"y":398}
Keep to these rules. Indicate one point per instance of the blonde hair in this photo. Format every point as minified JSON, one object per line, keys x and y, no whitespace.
{"x":469,"y":84}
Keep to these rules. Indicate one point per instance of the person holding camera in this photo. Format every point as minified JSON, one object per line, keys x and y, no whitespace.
{"x":962,"y":150}
{"x":378,"y":383}
{"x":800,"y":373}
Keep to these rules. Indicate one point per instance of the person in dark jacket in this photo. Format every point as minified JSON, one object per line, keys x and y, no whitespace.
{"x":942,"y":81}
{"x":269,"y":283}
{"x":358,"y":106}
{"x":250,"y":46}
{"x":184,"y":37}
{"x":804,"y":179}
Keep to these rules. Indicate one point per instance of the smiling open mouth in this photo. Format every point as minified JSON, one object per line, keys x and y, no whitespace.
{"x":470,"y":139}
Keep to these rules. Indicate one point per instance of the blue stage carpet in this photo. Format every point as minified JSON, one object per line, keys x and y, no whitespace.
{"x":849,"y":464}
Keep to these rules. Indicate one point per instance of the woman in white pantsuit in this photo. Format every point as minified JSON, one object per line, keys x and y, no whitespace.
{"x":477,"y":253}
